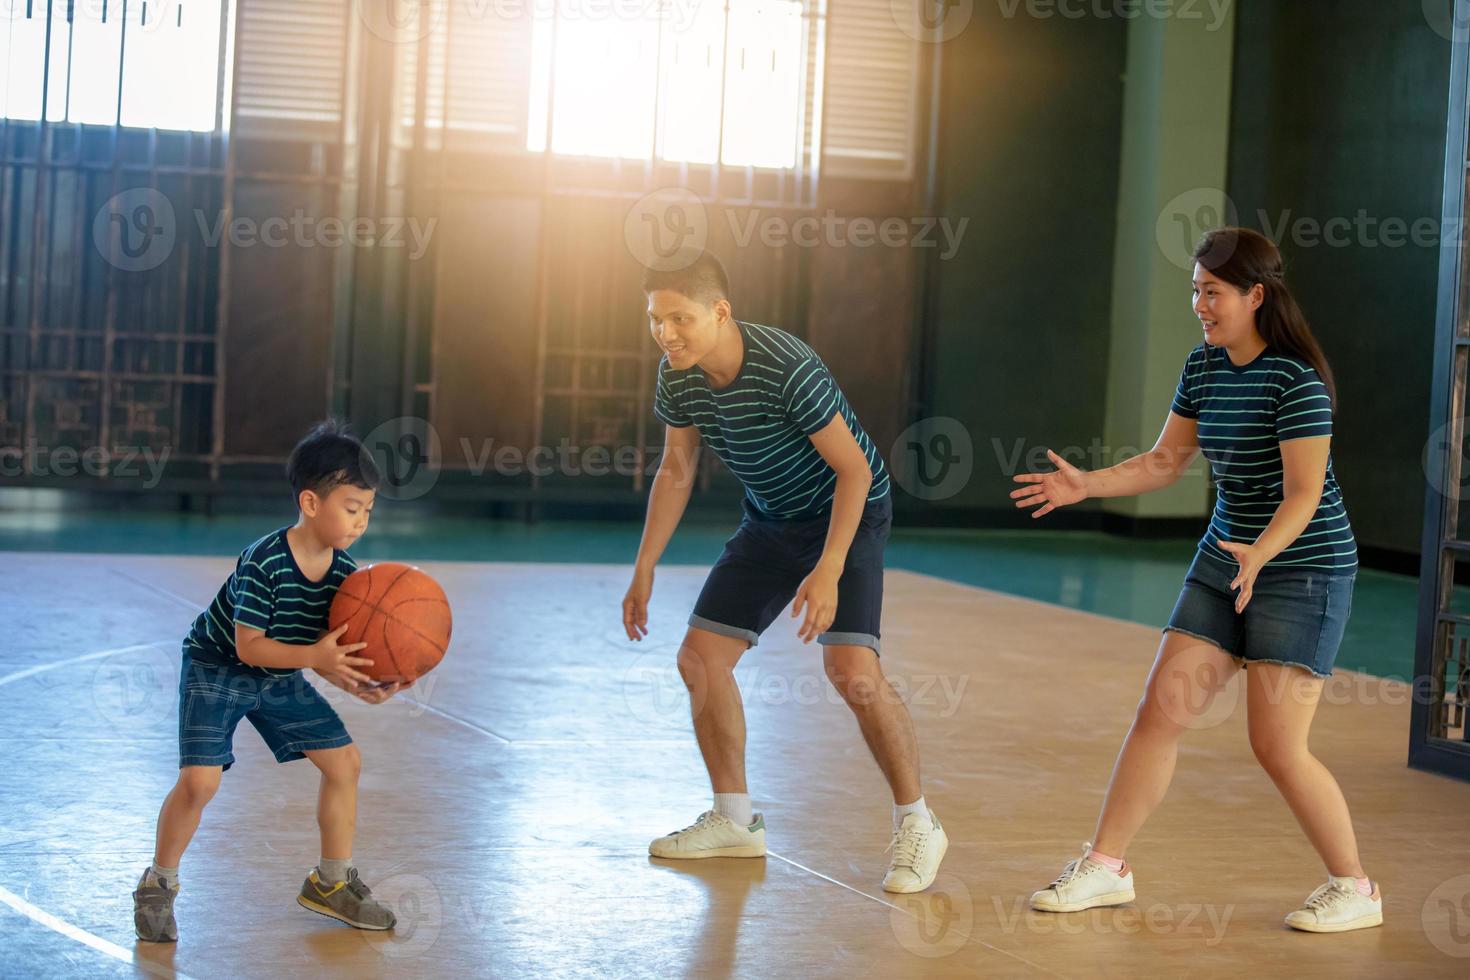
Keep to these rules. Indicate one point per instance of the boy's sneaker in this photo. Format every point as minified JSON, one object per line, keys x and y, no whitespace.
{"x":918,"y":846}
{"x":153,"y":910}
{"x":1085,"y":884}
{"x":714,"y":835}
{"x":349,"y":901}
{"x":1338,"y":907}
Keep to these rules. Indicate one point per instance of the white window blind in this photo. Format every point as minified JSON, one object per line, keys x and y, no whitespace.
{"x":481,"y":51}
{"x":288,"y":70}
{"x":871,"y":90}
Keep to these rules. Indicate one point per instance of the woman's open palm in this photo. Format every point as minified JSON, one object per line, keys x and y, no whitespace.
{"x":1066,"y":486}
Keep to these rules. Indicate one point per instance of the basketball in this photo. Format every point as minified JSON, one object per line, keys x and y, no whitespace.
{"x":402,"y":615}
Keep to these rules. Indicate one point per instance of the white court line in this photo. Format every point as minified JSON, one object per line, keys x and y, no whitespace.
{"x":61,"y":926}
{"x":42,"y":668}
{"x":971,"y":938}
{"x":156,"y":588}
{"x":40,"y":915}
{"x":458,"y":720}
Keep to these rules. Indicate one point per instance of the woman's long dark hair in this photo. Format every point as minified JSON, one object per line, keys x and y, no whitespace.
{"x":1242,"y":258}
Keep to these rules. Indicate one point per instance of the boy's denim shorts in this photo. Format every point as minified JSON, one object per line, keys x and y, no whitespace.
{"x":287,"y":711}
{"x":763,"y":564}
{"x":1296,"y":616}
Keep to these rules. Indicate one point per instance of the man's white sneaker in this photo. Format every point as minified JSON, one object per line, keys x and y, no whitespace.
{"x":1085,"y":884}
{"x":918,"y":846}
{"x":714,"y":835}
{"x":1338,"y":907}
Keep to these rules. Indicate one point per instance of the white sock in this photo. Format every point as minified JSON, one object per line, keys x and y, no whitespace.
{"x":736,"y":806}
{"x":901,"y":810}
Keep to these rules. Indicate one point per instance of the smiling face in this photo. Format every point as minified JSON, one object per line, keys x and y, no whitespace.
{"x":340,"y":517}
{"x":1227,"y":315}
{"x":686,"y":329}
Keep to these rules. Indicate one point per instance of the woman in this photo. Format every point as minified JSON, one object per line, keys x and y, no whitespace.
{"x":1269,"y":589}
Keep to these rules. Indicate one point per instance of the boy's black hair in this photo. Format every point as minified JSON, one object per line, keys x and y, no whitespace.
{"x":699,"y":275}
{"x":329,"y":457}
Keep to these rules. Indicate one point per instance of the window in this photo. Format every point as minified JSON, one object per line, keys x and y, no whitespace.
{"x":760,"y":83}
{"x":666,"y":80}
{"x":136,"y":63}
{"x":680,"y":81}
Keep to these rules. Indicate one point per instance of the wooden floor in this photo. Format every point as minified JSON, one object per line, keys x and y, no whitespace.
{"x":507,"y":804}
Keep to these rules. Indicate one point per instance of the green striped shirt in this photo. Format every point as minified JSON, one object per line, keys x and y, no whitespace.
{"x":760,"y":425}
{"x":1245,"y":412}
{"x":267,"y":591}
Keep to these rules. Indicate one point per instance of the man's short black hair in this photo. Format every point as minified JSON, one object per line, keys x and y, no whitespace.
{"x":698,"y":275}
{"x":329,"y":457}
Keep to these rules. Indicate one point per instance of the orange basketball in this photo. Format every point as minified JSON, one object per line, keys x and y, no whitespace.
{"x":400,"y":612}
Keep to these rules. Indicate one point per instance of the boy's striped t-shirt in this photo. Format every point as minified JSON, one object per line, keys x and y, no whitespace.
{"x":1245,"y":412}
{"x":761,"y":423}
{"x":267,"y":591}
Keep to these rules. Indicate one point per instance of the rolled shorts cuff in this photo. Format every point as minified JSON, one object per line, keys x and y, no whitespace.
{"x":292,"y":751}
{"x":851,"y":640}
{"x":724,"y":629}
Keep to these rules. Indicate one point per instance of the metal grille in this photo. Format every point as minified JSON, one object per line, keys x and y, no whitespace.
{"x":1438,"y":734}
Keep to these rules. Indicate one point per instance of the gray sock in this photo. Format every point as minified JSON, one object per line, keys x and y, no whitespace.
{"x":333,"y":871}
{"x":168,"y":876}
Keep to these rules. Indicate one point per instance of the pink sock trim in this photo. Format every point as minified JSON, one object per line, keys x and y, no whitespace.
{"x":1115,"y":865}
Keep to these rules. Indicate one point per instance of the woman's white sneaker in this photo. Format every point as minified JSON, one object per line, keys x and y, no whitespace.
{"x":714,"y":835}
{"x":918,"y":846}
{"x":1338,"y":907}
{"x":1085,"y":884}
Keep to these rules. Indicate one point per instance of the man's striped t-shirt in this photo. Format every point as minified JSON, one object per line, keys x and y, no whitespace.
{"x":1245,"y":412}
{"x":761,"y":423}
{"x":267,"y":591}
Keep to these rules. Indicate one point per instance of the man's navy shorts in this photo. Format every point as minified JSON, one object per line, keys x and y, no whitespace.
{"x":764,"y":563}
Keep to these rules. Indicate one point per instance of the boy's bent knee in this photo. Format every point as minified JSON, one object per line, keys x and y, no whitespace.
{"x":198,"y":784}
{"x":344,"y":763}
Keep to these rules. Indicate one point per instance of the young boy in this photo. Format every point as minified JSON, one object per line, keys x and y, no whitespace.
{"x":817,"y":514}
{"x":243,"y":658}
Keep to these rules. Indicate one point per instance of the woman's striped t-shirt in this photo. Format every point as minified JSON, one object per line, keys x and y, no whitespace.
{"x":761,"y":423}
{"x":267,"y":591}
{"x":1245,"y":412}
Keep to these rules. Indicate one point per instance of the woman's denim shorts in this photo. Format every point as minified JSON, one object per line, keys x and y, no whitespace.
{"x":1295,"y":616}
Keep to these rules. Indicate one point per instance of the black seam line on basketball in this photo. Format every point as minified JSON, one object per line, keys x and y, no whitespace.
{"x":377,"y":612}
{"x":387,"y":612}
{"x":397,"y":669}
{"x":969,"y":937}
